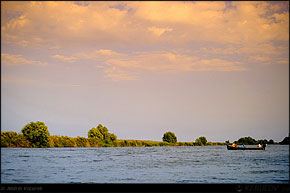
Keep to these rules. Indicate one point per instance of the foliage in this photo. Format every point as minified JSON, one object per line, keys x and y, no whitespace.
{"x":247,"y":141}
{"x":285,"y":141}
{"x":62,"y":141}
{"x":201,"y":141}
{"x":13,"y":139}
{"x":227,"y":142}
{"x":252,"y":141}
{"x":169,"y":137}
{"x":37,"y":133}
{"x":93,"y":142}
{"x":102,"y":135}
{"x":262,"y":141}
{"x":95,"y":133}
{"x":82,"y":142}
{"x":215,"y":143}
{"x":185,"y":143}
{"x":271,"y":141}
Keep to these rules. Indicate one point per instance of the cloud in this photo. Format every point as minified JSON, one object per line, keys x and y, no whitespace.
{"x":18,"y":60}
{"x":120,"y":66}
{"x":107,"y":52}
{"x":64,"y":58}
{"x":103,"y":23}
{"x":132,"y":66}
{"x":159,"y":31}
{"x":99,"y":55}
{"x":215,"y":36}
{"x":117,"y":74}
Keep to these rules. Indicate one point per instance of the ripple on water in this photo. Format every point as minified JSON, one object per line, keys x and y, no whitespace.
{"x":23,"y":156}
{"x":144,"y":165}
{"x":265,"y":171}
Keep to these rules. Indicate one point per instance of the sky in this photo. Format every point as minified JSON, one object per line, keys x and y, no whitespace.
{"x":213,"y":69}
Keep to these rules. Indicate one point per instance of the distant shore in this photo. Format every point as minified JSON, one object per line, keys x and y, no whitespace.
{"x":36,"y":134}
{"x":14,"y":140}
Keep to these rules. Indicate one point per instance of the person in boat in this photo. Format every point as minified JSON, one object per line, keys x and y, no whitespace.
{"x":234,"y":144}
{"x":259,"y":145}
{"x":243,"y":146}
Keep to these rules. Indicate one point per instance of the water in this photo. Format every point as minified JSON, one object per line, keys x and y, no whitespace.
{"x":208,"y":164}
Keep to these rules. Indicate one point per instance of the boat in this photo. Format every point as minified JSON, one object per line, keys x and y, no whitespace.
{"x":229,"y":147}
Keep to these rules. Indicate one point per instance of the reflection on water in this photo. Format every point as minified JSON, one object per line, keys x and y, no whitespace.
{"x":209,"y":164}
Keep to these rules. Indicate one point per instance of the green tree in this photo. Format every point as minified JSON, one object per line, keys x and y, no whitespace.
{"x":285,"y":141}
{"x":103,"y":136}
{"x":201,"y":141}
{"x":37,"y":134}
{"x":96,"y":134}
{"x":7,"y":138}
{"x":247,"y":141}
{"x":13,"y":139}
{"x":21,"y":141}
{"x":169,"y":137}
{"x":82,"y":142}
{"x":271,"y":141}
{"x":262,"y":141}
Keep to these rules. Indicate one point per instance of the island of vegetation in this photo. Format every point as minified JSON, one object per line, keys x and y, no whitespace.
{"x":36,"y":135}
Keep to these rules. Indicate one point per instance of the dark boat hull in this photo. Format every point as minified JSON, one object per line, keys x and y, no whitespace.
{"x":245,"y":148}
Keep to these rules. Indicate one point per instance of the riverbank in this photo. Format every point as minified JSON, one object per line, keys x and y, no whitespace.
{"x":14,"y":139}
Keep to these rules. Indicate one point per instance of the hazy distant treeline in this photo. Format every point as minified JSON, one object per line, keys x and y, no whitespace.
{"x":37,"y":135}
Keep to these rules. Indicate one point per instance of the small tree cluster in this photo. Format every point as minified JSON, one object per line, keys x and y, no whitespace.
{"x":201,"y":141}
{"x":251,"y":141}
{"x":169,"y":137}
{"x":37,"y":134}
{"x":247,"y":141}
{"x":102,"y":135}
{"x":13,"y":139}
{"x":285,"y":141}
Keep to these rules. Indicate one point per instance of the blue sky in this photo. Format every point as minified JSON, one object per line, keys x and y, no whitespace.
{"x":214,"y":69}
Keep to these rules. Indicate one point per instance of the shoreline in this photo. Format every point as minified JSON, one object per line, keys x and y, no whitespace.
{"x":12,"y":139}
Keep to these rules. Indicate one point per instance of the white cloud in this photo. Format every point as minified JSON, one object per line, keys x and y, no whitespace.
{"x":18,"y":60}
{"x":246,"y":30}
{"x":159,"y":31}
{"x":64,"y":58}
{"x":131,"y":66}
{"x":101,"y":23}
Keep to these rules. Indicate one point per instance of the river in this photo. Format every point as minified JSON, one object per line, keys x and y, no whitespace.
{"x":197,"y":164}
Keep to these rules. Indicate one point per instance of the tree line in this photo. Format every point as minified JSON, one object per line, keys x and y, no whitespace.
{"x":37,"y":135}
{"x":251,"y":141}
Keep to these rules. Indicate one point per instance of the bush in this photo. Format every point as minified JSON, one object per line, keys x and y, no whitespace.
{"x":93,"y":142}
{"x":62,"y":141}
{"x":262,"y":141}
{"x":82,"y":142}
{"x":271,"y":141}
{"x":247,"y":141}
{"x":169,"y":137}
{"x":201,"y":141}
{"x":103,"y":136}
{"x":7,"y":138}
{"x":285,"y":141}
{"x":96,"y":134}
{"x":37,"y":134}
{"x":13,"y":139}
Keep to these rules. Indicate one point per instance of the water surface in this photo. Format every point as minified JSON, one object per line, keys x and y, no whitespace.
{"x":206,"y":164}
